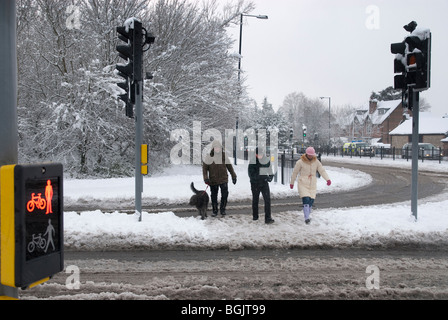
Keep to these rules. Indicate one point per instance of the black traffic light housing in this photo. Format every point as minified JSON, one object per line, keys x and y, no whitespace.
{"x":136,"y":37}
{"x":418,"y":62}
{"x":399,"y":64}
{"x":138,"y":51}
{"x":413,"y":59}
{"x":126,"y":71}
{"x":132,"y":71}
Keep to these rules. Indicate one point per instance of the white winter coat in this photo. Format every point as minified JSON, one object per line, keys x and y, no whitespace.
{"x":306,"y":169}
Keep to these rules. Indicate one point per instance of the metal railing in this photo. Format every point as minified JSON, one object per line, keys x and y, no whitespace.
{"x":287,"y":160}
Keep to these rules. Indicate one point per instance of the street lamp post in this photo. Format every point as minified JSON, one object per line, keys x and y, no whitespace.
{"x":264,"y":17}
{"x":241,"y":37}
{"x":329,"y":119}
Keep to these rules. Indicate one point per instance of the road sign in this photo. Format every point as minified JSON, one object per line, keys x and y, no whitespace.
{"x":32,"y":241}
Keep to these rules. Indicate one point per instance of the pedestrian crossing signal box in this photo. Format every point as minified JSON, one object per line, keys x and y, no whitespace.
{"x":31,"y":224}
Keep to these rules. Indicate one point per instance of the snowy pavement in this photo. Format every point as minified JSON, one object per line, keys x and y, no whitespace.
{"x":373,"y":226}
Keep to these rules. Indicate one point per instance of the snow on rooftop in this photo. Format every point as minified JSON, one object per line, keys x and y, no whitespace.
{"x":428,"y":124}
{"x":386,"y":107}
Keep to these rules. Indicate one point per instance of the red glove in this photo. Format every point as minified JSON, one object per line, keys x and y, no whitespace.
{"x":291,"y":186}
{"x":328,"y":182}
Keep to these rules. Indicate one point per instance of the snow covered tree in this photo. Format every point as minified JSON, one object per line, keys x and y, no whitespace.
{"x":300,"y":111}
{"x":266,"y":118}
{"x":386,"y":95}
{"x":67,"y":111}
{"x":68,"y":108}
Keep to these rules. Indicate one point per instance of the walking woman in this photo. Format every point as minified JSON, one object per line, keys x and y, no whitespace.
{"x":306,"y":168}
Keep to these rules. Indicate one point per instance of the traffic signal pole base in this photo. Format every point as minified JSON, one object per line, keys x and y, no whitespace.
{"x":8,"y":293}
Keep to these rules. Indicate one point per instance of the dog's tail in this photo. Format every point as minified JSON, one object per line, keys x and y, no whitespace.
{"x":193,"y":188}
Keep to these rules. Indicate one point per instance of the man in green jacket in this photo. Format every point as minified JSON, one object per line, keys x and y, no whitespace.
{"x":259,"y":182}
{"x":214,"y":170}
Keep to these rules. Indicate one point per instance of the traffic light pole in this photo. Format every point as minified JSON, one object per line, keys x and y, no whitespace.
{"x":413,"y":62}
{"x":138,"y":82}
{"x":138,"y":149}
{"x":8,"y":104}
{"x":132,"y":34}
{"x":414,"y":101}
{"x":8,"y":83}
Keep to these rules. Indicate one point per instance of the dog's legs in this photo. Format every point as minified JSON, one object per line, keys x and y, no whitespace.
{"x":203,"y":213}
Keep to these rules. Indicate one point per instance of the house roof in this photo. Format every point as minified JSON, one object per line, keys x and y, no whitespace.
{"x":383,"y":111}
{"x":361,"y":115}
{"x":428,"y":124}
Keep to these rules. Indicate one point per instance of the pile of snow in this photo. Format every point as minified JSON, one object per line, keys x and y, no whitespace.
{"x":173,"y":186}
{"x":377,"y":226}
{"x":374,"y":226}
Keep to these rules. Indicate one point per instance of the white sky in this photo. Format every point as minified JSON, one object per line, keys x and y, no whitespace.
{"x":324,"y":48}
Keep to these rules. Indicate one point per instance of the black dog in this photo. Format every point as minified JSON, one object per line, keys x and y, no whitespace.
{"x":200,"y":200}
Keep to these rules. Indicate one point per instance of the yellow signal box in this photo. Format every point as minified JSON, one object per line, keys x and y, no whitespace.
{"x":31,"y":242}
{"x":144,"y":160}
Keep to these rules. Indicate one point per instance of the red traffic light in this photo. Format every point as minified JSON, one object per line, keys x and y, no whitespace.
{"x":32,"y":241}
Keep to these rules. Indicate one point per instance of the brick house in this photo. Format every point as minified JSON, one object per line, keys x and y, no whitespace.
{"x":377,"y":121}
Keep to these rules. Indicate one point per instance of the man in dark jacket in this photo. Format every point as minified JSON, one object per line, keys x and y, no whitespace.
{"x":214,"y":170}
{"x":259,"y":182}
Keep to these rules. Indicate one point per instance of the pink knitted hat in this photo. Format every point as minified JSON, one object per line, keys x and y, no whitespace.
{"x":310,"y":151}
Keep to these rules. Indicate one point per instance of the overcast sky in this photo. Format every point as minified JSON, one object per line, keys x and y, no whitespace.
{"x":337,"y":48}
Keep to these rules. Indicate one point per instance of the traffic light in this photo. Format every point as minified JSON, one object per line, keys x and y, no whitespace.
{"x":304,"y":132}
{"x":126,"y":71}
{"x":413,"y":59}
{"x":419,"y":61}
{"x":291,"y":133}
{"x":399,"y":49}
{"x":138,"y":51}
{"x":32,"y":241}
{"x":132,"y":72}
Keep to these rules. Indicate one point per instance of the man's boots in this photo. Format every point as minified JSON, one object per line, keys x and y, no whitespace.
{"x":215,"y":209}
{"x":223,"y":207}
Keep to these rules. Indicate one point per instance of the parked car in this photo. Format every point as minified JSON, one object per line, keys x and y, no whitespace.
{"x":426,"y":150}
{"x":358,"y":149}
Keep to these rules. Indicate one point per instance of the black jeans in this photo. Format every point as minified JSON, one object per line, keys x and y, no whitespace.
{"x":224,"y":194}
{"x":265,"y":191}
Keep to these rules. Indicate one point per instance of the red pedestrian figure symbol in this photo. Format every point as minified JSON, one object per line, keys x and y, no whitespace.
{"x":49,"y":196}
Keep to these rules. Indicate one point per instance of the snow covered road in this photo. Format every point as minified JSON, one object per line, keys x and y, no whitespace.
{"x":251,"y":275}
{"x":338,"y":256}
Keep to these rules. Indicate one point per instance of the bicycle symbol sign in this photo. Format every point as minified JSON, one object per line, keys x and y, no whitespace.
{"x":40,"y":203}
{"x":41,"y":243}
{"x":38,"y":241}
